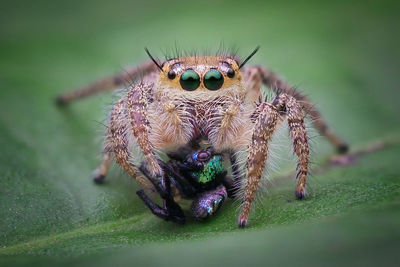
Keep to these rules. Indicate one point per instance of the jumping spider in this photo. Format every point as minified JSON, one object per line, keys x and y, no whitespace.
{"x":213,"y":98}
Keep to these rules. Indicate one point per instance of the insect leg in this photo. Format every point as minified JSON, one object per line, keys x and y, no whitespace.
{"x":154,"y":208}
{"x":171,"y":210}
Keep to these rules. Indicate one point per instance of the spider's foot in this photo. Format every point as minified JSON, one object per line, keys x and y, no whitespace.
{"x":60,"y":101}
{"x":300,"y":193}
{"x":99,"y":179}
{"x":343,"y":160}
{"x":343,"y":148}
{"x":242,"y":222}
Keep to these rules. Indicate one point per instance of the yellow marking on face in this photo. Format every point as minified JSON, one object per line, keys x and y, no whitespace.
{"x":170,"y":77}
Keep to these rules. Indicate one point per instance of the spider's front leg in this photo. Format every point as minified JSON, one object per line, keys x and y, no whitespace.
{"x":268,"y":118}
{"x":128,"y":122}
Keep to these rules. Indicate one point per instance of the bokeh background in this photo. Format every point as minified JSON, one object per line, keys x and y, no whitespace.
{"x":344,"y":54}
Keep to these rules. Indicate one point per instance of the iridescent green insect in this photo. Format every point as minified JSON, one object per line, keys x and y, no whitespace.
{"x":213,"y":169}
{"x":198,"y":175}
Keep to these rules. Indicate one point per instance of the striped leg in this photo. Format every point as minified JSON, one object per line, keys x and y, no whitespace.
{"x":128,"y":118}
{"x":269,"y":116}
{"x":107,"y":83}
{"x":297,"y":129}
{"x":272,"y":81}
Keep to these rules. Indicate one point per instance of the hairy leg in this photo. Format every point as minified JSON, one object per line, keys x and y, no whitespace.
{"x":137,"y":101}
{"x":268,"y":118}
{"x":129,"y":120}
{"x":272,"y":81}
{"x":117,"y":143}
{"x":297,"y":129}
{"x":267,"y":121}
{"x":107,"y":83}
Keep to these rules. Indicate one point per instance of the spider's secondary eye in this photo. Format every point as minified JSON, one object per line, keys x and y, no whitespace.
{"x":190,"y":80}
{"x":230,"y":73}
{"x":213,"y":79}
{"x":171,"y":75}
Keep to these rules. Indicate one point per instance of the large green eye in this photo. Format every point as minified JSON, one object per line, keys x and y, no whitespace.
{"x":190,"y":80}
{"x":213,"y":79}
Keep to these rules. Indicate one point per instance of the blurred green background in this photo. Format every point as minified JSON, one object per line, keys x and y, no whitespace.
{"x":343,"y":54}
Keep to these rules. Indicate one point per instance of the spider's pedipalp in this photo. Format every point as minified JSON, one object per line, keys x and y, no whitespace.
{"x":136,"y":104}
{"x":117,"y":140}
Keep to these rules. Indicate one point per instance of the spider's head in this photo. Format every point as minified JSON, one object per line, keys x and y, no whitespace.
{"x":206,"y":73}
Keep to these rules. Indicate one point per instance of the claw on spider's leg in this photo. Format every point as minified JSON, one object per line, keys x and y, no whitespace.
{"x":175,"y":212}
{"x":300,"y":194}
{"x":99,"y":179}
{"x":242,"y":223}
{"x":343,"y":148}
{"x":60,"y":101}
{"x":301,"y":186}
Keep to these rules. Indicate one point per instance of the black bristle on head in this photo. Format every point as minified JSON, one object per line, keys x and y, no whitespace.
{"x":249,"y":57}
{"x":176,"y":51}
{"x":151,"y":57}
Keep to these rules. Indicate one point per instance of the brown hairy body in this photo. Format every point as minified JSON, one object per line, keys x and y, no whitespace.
{"x":164,"y":112}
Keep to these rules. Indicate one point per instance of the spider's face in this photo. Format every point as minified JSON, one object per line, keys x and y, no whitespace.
{"x":200,"y":74}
